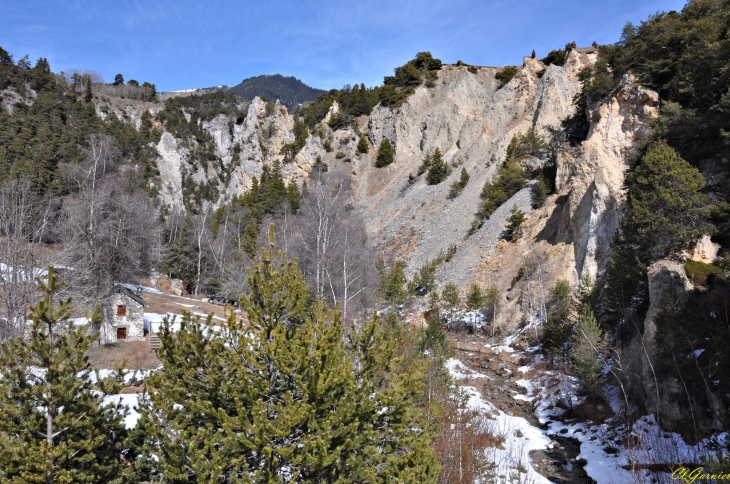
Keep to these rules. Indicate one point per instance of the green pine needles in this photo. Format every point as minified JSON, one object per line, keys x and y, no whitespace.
{"x":287,"y":396}
{"x":438,"y":169}
{"x":386,"y":154}
{"x":54,"y":426}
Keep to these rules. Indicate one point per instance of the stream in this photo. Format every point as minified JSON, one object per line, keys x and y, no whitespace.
{"x":496,"y":381}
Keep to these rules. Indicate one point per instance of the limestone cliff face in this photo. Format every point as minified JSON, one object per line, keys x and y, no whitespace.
{"x":471,"y":119}
{"x":593,"y":180}
{"x":243,"y":147}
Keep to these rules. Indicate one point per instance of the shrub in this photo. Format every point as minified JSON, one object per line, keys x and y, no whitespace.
{"x":301,"y":132}
{"x":320,"y":166}
{"x":506,"y":75}
{"x":362,"y":145}
{"x":339,"y":155}
{"x":700,"y":273}
{"x":386,"y":154}
{"x":327,"y":146}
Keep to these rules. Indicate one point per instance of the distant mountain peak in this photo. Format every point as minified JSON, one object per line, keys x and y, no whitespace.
{"x":290,"y":91}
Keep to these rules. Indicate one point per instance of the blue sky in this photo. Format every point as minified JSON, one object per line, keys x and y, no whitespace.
{"x":184,"y":44}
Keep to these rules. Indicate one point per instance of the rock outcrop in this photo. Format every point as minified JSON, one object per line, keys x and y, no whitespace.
{"x":666,"y":278}
{"x":594,"y":179}
{"x":471,"y":119}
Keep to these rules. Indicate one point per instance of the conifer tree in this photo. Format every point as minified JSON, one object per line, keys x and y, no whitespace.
{"x":457,"y":187}
{"x":666,"y":206}
{"x":586,"y":350}
{"x":362,"y":145}
{"x":55,"y":426}
{"x":393,"y":281}
{"x":451,"y":300}
{"x":514,"y":222}
{"x":88,"y":95}
{"x":283,"y":397}
{"x":540,"y":191}
{"x":474,"y":298}
{"x":558,"y":326}
{"x":386,"y":154}
{"x":438,"y":169}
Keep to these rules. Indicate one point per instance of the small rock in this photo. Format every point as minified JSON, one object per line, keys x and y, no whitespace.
{"x":519,"y":434}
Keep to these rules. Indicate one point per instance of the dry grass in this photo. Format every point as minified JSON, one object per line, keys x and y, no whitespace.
{"x":167,"y":303}
{"x":137,"y":355}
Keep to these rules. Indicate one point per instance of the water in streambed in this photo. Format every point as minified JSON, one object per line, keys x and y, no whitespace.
{"x":493,"y":375}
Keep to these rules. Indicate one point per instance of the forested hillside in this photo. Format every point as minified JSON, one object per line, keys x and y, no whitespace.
{"x":289,"y":90}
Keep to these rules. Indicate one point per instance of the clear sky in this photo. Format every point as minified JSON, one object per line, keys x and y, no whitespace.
{"x":184,"y":44}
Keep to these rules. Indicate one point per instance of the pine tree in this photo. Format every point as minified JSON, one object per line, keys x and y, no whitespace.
{"x":55,"y":426}
{"x":514,"y":222}
{"x":586,"y":349}
{"x":491,"y":305}
{"x":558,"y":326}
{"x":667,"y":209}
{"x":362,"y":145}
{"x":393,"y":281}
{"x":283,"y":397}
{"x":458,"y":186}
{"x":474,"y":299}
{"x":434,"y":338}
{"x":88,"y":95}
{"x":451,"y":300}
{"x":540,"y":191}
{"x":438,"y":169}
{"x":386,"y":154}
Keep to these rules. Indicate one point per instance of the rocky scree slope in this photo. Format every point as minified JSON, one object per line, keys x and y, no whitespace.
{"x":471,"y":120}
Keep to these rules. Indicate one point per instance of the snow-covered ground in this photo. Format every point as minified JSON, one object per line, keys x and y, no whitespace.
{"x":613,"y":452}
{"x":512,"y":460}
{"x":130,"y":402}
{"x":610,"y":449}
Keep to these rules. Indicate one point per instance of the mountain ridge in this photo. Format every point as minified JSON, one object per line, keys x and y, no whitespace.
{"x":290,"y":91}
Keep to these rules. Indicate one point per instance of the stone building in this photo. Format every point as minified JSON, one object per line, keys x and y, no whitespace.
{"x":123,"y":316}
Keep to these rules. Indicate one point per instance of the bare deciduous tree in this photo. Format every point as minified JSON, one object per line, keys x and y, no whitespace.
{"x":24,"y":220}
{"x":328,"y":237}
{"x":109,"y":228}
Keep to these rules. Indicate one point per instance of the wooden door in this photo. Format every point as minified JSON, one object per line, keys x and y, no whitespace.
{"x":121,"y":333}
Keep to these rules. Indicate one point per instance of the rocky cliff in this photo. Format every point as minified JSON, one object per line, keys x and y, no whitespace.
{"x":471,"y":119}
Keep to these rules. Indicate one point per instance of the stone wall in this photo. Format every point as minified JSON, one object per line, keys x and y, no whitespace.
{"x":133,"y":321}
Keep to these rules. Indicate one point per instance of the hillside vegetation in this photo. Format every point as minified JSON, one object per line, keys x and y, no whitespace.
{"x":290,"y":91}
